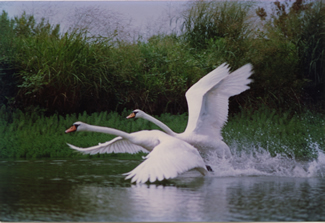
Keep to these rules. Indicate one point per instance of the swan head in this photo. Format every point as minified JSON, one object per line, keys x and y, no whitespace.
{"x":137,"y":113}
{"x":77,"y":126}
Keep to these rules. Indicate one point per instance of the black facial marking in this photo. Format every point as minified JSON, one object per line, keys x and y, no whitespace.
{"x":209,"y":168}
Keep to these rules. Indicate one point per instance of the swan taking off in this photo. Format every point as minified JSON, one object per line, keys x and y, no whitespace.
{"x":168,"y":158}
{"x":207,"y":102}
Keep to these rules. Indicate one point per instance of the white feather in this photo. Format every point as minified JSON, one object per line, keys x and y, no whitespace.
{"x":169,"y":156}
{"x":169,"y":159}
{"x":116,"y":145}
{"x":214,"y":106}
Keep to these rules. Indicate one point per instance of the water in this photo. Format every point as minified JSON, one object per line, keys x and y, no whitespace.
{"x":247,"y":188}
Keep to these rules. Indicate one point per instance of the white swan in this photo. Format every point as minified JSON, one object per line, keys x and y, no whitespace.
{"x":208,"y":109}
{"x":169,"y":156}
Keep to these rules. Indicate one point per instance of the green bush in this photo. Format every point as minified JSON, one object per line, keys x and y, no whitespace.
{"x":298,"y":33}
{"x":211,"y":20}
{"x":311,"y":49}
{"x":42,"y":69}
{"x":8,"y":82}
{"x":59,"y":72}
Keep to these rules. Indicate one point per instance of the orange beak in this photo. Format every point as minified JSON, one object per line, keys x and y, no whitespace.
{"x":132,"y":115}
{"x":71,"y":129}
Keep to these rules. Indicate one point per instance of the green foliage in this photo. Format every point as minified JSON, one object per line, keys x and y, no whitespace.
{"x":43,"y":69}
{"x":7,"y":51}
{"x":278,"y":132}
{"x":206,"y":20}
{"x":58,"y":72}
{"x":277,"y":81}
{"x":32,"y":135}
{"x":311,"y":49}
{"x":297,"y":36}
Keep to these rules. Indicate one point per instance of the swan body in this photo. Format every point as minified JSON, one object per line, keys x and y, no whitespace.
{"x":208,"y":109}
{"x":169,"y":156}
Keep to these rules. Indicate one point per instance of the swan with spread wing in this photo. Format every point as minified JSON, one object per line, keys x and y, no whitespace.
{"x":207,"y":103}
{"x":168,"y":158}
{"x":208,"y":109}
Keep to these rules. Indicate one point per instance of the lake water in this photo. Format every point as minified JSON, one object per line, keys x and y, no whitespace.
{"x":246,"y":188}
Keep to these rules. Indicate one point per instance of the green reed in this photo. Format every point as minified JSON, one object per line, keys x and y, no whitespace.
{"x":296,"y":135}
{"x":65,"y":73}
{"x":36,"y":136}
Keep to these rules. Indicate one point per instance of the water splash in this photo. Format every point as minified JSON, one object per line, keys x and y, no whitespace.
{"x":259,"y":162}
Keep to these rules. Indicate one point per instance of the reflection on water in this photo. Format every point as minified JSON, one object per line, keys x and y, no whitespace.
{"x":95,"y":190}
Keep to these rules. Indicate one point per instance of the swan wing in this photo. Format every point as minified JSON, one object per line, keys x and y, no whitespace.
{"x":116,"y":145}
{"x":170,"y":158}
{"x":195,"y":95}
{"x":214,"y":105}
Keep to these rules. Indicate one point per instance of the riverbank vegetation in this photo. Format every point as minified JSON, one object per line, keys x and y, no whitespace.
{"x":44,"y":69}
{"x":50,"y":79}
{"x":28,"y":135}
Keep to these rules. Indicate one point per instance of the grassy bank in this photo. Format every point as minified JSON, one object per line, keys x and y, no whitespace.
{"x":31,"y":136}
{"x":296,"y":135}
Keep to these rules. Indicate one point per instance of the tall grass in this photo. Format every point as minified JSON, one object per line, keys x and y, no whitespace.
{"x":56,"y":71}
{"x":44,"y":69}
{"x":296,"y":135}
{"x":29,"y":136}
{"x":311,"y":48}
{"x":299,"y":33}
{"x":211,"y":20}
{"x":69,"y":72}
{"x":7,"y":50}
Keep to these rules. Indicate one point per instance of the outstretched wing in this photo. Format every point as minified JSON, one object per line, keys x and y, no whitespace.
{"x":195,"y":95}
{"x":214,"y":106}
{"x":170,"y":158}
{"x":116,"y":145}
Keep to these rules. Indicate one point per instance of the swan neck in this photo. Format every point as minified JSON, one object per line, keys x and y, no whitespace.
{"x":160,"y":124}
{"x":93,"y":128}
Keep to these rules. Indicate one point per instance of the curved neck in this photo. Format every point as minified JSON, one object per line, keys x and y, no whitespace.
{"x":94,"y":128}
{"x":159,"y":124}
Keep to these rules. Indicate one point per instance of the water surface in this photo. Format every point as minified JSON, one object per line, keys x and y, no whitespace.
{"x":95,"y":190}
